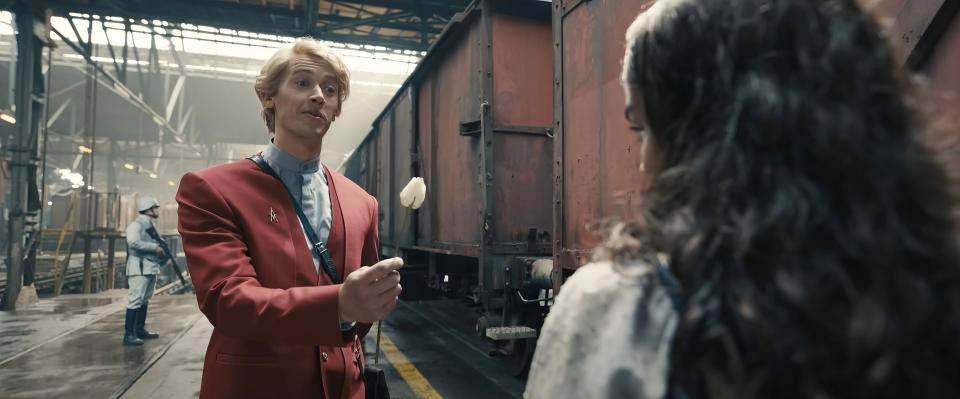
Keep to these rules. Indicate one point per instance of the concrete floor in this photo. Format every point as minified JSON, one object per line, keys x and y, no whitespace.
{"x":70,"y":346}
{"x":177,"y":373}
{"x":73,"y":348}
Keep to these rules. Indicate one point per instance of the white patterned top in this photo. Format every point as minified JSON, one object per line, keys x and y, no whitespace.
{"x":607,"y":336}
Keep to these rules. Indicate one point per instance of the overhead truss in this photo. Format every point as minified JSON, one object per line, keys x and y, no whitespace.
{"x":393,"y":24}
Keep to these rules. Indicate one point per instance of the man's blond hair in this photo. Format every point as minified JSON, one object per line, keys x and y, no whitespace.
{"x":275,"y":70}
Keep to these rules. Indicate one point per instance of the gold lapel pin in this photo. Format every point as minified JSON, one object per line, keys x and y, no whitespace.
{"x":273,"y":215}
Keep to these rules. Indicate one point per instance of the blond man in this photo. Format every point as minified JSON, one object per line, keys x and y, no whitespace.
{"x":284,"y":251}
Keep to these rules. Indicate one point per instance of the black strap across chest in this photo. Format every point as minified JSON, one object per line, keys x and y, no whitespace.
{"x":318,"y":247}
{"x":669,"y":282}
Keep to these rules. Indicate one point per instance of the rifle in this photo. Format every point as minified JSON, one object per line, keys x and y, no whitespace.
{"x":152,"y":231}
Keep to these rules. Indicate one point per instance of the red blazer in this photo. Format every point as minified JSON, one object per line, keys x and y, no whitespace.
{"x":276,"y":322}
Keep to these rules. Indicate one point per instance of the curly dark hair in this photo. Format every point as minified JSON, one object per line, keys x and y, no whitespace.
{"x":807,"y":223}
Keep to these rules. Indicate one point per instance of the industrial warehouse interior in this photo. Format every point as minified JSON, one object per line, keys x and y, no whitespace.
{"x":463,"y":160}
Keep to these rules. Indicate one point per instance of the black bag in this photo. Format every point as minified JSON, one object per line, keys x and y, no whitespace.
{"x":375,"y":383}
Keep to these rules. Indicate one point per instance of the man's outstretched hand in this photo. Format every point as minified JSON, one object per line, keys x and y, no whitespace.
{"x":371,"y":292}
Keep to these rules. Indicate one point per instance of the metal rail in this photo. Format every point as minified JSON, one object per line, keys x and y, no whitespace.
{"x":75,"y":276}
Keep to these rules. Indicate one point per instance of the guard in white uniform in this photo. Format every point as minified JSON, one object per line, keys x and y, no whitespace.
{"x":144,"y":258}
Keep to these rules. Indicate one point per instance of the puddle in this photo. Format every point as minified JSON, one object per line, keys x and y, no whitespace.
{"x":82,"y":304}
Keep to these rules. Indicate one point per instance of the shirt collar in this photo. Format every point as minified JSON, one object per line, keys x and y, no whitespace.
{"x":287,"y":162}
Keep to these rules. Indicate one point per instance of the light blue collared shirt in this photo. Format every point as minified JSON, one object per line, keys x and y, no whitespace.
{"x":307,"y":182}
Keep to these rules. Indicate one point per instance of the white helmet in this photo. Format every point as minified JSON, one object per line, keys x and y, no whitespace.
{"x":146,"y":203}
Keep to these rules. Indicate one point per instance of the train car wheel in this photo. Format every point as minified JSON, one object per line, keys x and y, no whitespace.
{"x":520,"y":351}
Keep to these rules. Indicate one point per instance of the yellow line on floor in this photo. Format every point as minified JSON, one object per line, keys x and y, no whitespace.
{"x":417,"y":382}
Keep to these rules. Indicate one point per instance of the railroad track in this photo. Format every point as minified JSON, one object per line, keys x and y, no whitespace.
{"x":74,"y":276}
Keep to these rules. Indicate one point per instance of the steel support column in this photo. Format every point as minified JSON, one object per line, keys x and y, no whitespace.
{"x":87,"y":267}
{"x":111,"y":262}
{"x":312,"y":8}
{"x":87,"y":169}
{"x":22,"y":204}
{"x":113,"y":188}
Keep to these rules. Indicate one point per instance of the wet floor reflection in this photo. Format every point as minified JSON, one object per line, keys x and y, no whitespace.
{"x":91,"y":361}
{"x":82,"y":304}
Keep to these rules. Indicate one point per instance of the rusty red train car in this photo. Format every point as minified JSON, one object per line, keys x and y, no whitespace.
{"x":474,"y":120}
{"x":515,"y":120}
{"x":596,"y":156}
{"x":597,"y":174}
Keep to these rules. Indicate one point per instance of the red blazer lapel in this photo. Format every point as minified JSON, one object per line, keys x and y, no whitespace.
{"x":337,"y":241}
{"x":279,"y":198}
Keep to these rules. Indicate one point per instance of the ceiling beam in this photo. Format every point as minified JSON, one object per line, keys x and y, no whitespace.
{"x":270,"y":19}
{"x":120,"y":89}
{"x":372,"y":40}
{"x":312,"y":9}
{"x":254,"y":18}
{"x":391,"y":21}
{"x":444,"y":6}
{"x":371,"y":21}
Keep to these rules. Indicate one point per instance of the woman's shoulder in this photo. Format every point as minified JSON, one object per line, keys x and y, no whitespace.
{"x":598,"y":277}
{"x":609,"y":318}
{"x":597,"y":289}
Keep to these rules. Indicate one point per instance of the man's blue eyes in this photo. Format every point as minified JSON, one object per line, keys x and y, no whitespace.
{"x":306,"y":83}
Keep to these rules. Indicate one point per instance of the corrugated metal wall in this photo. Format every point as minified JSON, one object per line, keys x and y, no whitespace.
{"x":598,"y":156}
{"x":522,"y":112}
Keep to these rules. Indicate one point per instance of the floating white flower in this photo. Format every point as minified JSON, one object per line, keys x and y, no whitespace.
{"x":413,"y":193}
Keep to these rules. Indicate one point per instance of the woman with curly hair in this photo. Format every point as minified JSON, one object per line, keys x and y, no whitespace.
{"x":796,"y":238}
